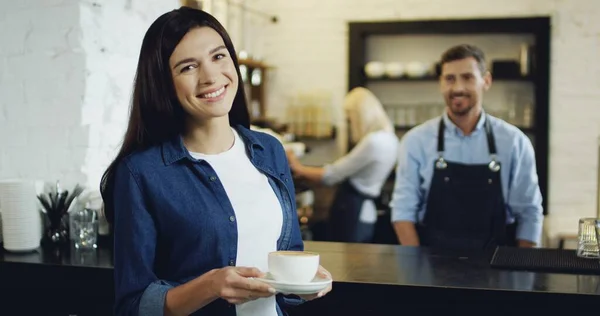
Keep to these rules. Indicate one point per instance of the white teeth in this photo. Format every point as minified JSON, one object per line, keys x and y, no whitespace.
{"x":213,"y":94}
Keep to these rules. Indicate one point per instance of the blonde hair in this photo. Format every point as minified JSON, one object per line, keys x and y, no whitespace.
{"x":366,"y":114}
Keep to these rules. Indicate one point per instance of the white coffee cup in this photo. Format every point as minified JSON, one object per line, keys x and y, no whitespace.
{"x":293,"y":266}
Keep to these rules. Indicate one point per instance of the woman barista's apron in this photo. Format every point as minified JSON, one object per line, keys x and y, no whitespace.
{"x":344,"y":216}
{"x":465,"y":206}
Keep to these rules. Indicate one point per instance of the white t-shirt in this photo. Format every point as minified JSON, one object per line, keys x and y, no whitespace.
{"x":258,"y":215}
{"x":368,"y":165}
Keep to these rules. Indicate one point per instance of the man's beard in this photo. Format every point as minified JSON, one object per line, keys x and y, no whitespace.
{"x":460,"y":111}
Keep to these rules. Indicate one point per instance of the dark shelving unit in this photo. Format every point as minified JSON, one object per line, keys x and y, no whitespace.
{"x":537,"y":27}
{"x":434,"y":78}
{"x":406,"y":128}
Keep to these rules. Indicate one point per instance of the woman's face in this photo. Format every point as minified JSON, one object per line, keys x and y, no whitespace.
{"x":204,"y":74}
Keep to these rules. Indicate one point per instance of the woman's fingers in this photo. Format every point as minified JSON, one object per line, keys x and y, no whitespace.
{"x":253,"y":286}
{"x":240,"y":296}
{"x":241,"y":286}
{"x":259,"y":288}
{"x":322,"y":272}
{"x":249,"y":272}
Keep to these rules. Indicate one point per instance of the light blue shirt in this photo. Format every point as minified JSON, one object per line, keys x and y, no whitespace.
{"x":418,"y":152}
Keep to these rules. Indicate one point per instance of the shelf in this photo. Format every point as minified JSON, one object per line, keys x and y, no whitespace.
{"x":405,"y":128}
{"x":434,"y":78}
{"x":253,"y":63}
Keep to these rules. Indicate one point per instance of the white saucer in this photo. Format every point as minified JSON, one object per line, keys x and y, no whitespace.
{"x":315,"y":286}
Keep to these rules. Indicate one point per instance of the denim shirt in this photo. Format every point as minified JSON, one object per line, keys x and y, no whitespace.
{"x":174,"y":222}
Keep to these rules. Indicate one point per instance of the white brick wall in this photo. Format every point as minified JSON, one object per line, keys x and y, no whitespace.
{"x":66,"y":74}
{"x":41,"y":87}
{"x":309,"y":48}
{"x":66,"y":71}
{"x":112,"y":50}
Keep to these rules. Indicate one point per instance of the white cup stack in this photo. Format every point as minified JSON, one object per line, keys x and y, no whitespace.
{"x":21,"y":220}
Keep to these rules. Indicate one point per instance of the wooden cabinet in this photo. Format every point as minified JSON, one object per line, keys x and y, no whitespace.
{"x":255,"y":74}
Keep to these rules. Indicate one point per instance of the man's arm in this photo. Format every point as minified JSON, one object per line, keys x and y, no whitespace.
{"x":406,"y":233}
{"x":524,"y":196}
{"x":407,"y":194}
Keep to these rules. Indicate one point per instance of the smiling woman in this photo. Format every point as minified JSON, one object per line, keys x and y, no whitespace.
{"x":197,"y":200}
{"x":204,"y":76}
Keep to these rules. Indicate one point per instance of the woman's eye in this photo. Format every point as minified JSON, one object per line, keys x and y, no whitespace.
{"x":187,"y":68}
{"x":220,"y":56}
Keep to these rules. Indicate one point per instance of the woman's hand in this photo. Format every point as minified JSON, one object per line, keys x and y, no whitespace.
{"x":236,"y":286}
{"x":302,"y":172}
{"x":292,"y":160}
{"x":322,"y":273}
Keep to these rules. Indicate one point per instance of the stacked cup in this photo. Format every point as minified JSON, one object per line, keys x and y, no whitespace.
{"x":21,"y":221}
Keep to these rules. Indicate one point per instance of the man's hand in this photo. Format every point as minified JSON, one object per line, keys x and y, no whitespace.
{"x":525,"y":244}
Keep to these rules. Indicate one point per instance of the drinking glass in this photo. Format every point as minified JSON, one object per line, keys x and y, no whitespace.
{"x":84,"y":229}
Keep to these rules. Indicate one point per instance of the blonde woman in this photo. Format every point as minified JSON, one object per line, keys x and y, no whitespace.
{"x":361,"y":173}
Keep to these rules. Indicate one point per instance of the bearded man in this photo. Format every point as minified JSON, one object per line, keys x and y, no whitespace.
{"x":466,"y":180}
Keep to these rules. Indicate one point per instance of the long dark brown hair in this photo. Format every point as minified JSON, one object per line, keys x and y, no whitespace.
{"x":156,"y":114}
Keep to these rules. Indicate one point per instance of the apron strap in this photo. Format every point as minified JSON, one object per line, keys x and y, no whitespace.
{"x":440,"y":144}
{"x":490,"y":136}
{"x":488,"y":130}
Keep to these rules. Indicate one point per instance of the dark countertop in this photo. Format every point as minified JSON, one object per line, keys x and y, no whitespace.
{"x":377,"y":279}
{"x":375,"y":264}
{"x":91,"y":259}
{"x":367,"y":278}
{"x":419,"y":266}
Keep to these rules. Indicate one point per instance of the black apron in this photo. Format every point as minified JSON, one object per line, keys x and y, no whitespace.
{"x":344,"y":216}
{"x":465,"y":206}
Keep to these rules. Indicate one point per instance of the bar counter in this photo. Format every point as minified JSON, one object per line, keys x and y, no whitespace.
{"x":368,"y":280}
